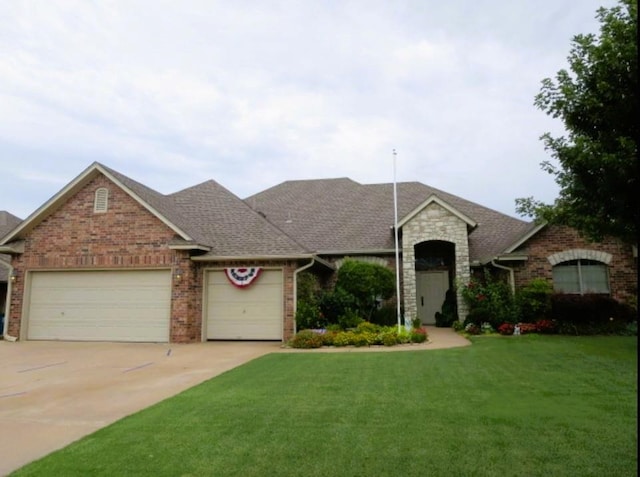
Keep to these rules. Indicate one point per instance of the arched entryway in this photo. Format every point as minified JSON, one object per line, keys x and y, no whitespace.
{"x":435,"y":274}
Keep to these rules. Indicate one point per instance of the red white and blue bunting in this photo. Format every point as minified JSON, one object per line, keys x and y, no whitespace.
{"x":242,"y":277}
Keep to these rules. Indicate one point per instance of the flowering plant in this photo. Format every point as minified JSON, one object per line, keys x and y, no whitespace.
{"x":545,"y":326}
{"x":506,"y":329}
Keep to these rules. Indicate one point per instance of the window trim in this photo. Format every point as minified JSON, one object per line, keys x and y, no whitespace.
{"x":582,"y":286}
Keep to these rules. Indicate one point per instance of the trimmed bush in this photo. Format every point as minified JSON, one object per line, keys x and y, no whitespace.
{"x":545,"y":326}
{"x":590,"y":314}
{"x":306,"y":339}
{"x":506,"y":329}
{"x":367,"y":283}
{"x":418,"y":335}
{"x":533,"y":301}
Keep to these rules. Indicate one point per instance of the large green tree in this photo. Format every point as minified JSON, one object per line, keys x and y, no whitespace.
{"x":596,"y":163}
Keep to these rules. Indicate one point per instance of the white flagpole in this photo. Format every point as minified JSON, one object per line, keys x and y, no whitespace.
{"x":395,"y":229}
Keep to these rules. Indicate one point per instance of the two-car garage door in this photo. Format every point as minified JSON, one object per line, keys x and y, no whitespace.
{"x":132,"y":305}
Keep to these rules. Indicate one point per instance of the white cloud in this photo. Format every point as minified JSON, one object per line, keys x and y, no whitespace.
{"x":254,"y":93}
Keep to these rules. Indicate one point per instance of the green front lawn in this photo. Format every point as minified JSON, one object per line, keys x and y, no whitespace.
{"x":507,"y":406}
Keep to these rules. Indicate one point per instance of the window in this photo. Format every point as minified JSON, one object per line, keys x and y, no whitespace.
{"x":101,"y":201}
{"x":581,"y":276}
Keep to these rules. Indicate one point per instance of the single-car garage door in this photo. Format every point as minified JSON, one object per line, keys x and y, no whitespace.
{"x":250,"y":313}
{"x":131,"y":305}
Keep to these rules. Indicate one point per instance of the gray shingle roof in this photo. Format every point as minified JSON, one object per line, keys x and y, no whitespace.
{"x":342,"y":215}
{"x":213,"y":216}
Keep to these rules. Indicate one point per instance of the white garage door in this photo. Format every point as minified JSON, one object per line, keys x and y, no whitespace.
{"x":250,"y":313}
{"x":100,"y":306}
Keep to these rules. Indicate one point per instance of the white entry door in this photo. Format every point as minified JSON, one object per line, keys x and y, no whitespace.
{"x":431,"y":289}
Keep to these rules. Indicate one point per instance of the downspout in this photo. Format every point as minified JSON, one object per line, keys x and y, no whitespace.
{"x":295,"y":291}
{"x":7,"y":306}
{"x":512,"y":280}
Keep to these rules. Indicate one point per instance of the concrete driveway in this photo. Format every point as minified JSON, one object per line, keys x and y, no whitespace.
{"x":53,"y":393}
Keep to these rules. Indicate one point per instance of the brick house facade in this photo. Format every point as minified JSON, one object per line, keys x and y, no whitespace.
{"x":194,"y":235}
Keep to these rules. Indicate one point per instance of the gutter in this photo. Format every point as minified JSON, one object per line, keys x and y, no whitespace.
{"x":512,"y":280}
{"x":295,"y":291}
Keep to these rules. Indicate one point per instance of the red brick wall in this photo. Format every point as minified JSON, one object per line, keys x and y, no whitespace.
{"x":623,"y":269}
{"x":126,"y":236}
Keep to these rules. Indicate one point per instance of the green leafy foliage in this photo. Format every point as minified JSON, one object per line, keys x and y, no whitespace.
{"x":489,"y":301}
{"x":306,"y":339}
{"x":533,"y":301}
{"x":337,"y":303}
{"x":367,"y":283}
{"x":590,"y":314}
{"x":597,"y":162}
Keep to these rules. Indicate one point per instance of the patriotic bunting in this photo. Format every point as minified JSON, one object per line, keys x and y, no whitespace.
{"x":242,"y":277}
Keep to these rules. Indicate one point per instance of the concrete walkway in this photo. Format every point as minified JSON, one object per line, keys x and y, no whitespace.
{"x":53,"y":393}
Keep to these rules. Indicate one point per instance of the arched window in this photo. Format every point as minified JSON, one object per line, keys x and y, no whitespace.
{"x":101,"y":201}
{"x":581,"y":276}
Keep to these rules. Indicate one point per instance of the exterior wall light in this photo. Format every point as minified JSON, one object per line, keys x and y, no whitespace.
{"x":178,"y":274}
{"x":14,"y":275}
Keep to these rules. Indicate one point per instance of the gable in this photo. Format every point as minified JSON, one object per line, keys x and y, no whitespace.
{"x":75,"y":228}
{"x":434,"y":207}
{"x":147,"y":198}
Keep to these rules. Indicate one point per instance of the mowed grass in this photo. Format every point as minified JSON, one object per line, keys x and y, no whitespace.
{"x":506,"y":406}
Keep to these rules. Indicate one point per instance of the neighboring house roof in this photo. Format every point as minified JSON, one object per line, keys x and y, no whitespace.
{"x":206,"y":216}
{"x":343,"y":216}
{"x":8,"y":222}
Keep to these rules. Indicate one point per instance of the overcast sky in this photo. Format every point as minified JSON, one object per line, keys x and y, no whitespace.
{"x":254,"y":93}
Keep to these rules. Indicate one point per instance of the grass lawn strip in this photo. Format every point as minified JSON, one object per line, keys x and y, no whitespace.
{"x":518,"y":406}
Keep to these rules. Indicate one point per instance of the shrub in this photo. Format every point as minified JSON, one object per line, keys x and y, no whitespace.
{"x":418,"y":335}
{"x":335,"y":303}
{"x":386,"y":315}
{"x":308,"y":316}
{"x":367,"y":283}
{"x":328,"y":336}
{"x":366,"y":327}
{"x":489,"y":300}
{"x":545,"y":326}
{"x":449,"y":312}
{"x":309,"y":288}
{"x":527,"y":328}
{"x":350,"y":319}
{"x":486,"y":328}
{"x":306,"y":339}
{"x":389,"y":338}
{"x":590,"y":314}
{"x":506,"y":329}
{"x":343,"y":338}
{"x":533,"y":301}
{"x":472,"y":329}
{"x":362,"y":339}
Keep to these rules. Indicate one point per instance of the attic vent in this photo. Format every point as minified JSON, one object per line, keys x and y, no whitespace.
{"x":101,"y":203}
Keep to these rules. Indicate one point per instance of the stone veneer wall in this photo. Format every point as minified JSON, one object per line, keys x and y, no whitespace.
{"x":433,"y":223}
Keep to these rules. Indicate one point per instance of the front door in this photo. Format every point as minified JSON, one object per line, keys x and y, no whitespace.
{"x":431,"y":289}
